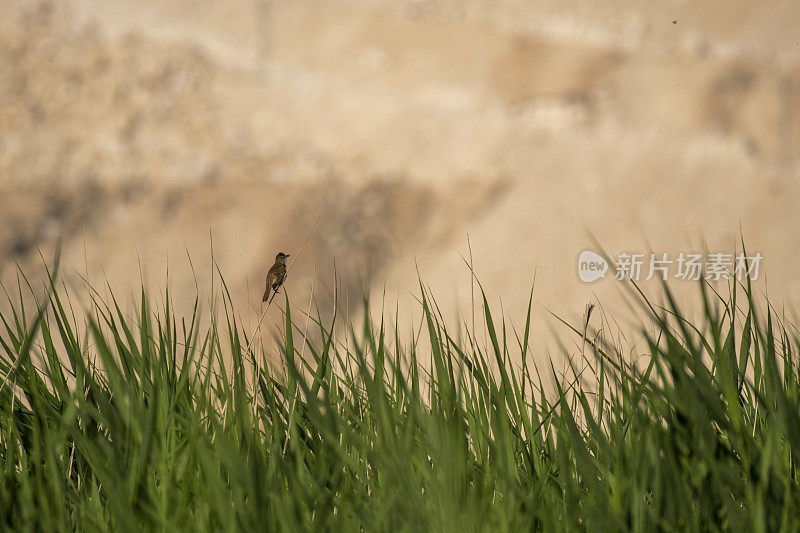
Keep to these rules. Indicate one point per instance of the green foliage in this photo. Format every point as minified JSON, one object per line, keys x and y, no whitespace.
{"x":152,"y":422}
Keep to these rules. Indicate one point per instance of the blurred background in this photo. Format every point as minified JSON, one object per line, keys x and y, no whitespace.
{"x":139,"y":132}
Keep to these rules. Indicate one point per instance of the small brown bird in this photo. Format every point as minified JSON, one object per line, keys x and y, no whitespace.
{"x":276,"y":275}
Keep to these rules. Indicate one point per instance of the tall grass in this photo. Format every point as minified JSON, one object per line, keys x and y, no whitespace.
{"x":153,"y":422}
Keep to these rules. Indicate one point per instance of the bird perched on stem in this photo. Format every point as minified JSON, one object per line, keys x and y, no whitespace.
{"x":276,"y":275}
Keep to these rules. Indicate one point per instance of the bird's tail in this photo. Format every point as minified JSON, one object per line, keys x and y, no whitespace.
{"x":266,"y":295}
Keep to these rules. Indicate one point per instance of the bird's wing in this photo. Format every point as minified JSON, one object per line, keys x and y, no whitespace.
{"x":273,"y":274}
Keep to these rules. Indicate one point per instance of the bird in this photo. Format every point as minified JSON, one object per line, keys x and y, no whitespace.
{"x":276,"y":275}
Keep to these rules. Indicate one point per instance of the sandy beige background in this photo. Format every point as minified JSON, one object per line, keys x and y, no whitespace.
{"x":136,"y":130}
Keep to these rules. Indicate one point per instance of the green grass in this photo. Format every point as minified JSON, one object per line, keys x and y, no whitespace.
{"x":148,"y":421}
